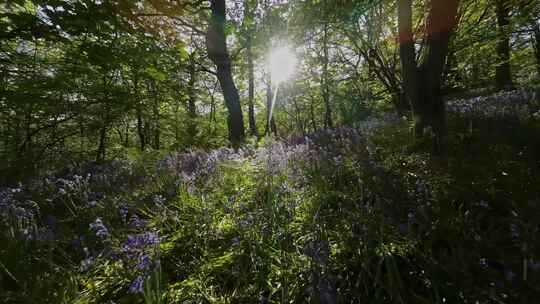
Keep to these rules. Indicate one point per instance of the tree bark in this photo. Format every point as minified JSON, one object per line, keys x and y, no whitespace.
{"x":251,"y":87}
{"x":422,"y":83}
{"x":155,"y":130}
{"x":126,"y":136}
{"x":407,"y":53}
{"x":102,"y":147}
{"x":328,"y":123}
{"x":191,"y":106}
{"x":216,"y":46}
{"x":138,"y":109}
{"x":312,"y":114}
{"x":536,"y":46}
{"x":503,"y":76}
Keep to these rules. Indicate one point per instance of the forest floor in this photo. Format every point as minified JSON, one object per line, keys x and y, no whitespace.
{"x":353,"y":214}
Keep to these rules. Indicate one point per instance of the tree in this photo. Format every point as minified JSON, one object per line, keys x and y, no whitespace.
{"x":325,"y":80}
{"x":216,"y":45}
{"x":248,"y":31}
{"x":503,"y":76}
{"x":422,"y":82}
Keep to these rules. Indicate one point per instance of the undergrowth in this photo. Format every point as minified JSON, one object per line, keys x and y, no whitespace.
{"x":337,"y":217}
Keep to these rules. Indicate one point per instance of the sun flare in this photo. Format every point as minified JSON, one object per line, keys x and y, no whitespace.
{"x":282,"y":63}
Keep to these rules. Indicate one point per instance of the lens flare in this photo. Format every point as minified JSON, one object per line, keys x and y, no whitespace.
{"x":282,"y":63}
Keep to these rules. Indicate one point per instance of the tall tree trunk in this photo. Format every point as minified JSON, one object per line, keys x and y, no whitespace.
{"x":536,"y":45}
{"x":156,"y":127}
{"x":126,"y":138}
{"x":176,"y":125}
{"x":297,"y":113}
{"x":212,"y":117}
{"x":191,"y":106}
{"x":216,"y":46}
{"x":328,"y":123}
{"x":312,"y":114}
{"x":409,"y":69}
{"x":102,"y":147}
{"x":138,"y":109}
{"x":503,"y":76}
{"x":423,"y":83}
{"x":140,"y":127}
{"x":251,"y":87}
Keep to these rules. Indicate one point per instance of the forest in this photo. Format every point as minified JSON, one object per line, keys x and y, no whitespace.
{"x":269,"y":151}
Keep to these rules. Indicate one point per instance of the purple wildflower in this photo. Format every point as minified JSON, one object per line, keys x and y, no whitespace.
{"x":144,"y":262}
{"x":136,"y":223}
{"x":123,"y":210}
{"x":87,"y":263}
{"x":99,"y":228}
{"x":135,"y":244}
{"x":137,"y":285}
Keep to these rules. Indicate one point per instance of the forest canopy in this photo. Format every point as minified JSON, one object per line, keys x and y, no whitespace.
{"x":87,"y":79}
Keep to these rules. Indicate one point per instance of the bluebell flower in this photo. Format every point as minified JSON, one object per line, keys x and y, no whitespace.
{"x":123,"y":210}
{"x":99,"y":228}
{"x":87,"y":263}
{"x":136,"y":223}
{"x":144,"y":262}
{"x":137,"y":285}
{"x":135,"y":244}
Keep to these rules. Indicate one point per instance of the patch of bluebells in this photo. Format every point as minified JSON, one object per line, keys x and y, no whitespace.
{"x":137,"y":245}
{"x":82,"y":187}
{"x":142,"y":252}
{"x":15,"y":208}
{"x":193,"y":167}
{"x":517,"y":103}
{"x":116,"y":172}
{"x":281,"y":157}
